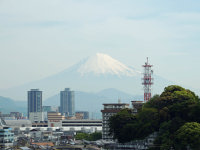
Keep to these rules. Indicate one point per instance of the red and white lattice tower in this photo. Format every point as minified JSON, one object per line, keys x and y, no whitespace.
{"x":147,"y":81}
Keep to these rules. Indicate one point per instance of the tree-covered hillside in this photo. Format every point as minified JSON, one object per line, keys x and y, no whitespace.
{"x":174,"y":115}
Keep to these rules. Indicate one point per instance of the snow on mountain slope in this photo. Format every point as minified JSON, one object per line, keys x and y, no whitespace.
{"x":89,"y":75}
{"x":104,"y":64}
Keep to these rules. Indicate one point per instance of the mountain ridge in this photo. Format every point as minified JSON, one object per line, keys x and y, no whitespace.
{"x":82,"y":100}
{"x":90,"y":81}
{"x":12,"y":105}
{"x":96,"y":100}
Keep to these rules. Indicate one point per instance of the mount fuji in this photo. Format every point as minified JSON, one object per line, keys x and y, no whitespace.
{"x":92,"y":74}
{"x":102,"y":64}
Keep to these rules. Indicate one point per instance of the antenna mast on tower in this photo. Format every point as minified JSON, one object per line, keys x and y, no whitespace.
{"x":147,"y":81}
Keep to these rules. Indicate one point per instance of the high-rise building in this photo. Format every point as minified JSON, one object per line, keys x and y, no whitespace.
{"x":67,"y":102}
{"x":108,"y":111}
{"x":34,"y":101}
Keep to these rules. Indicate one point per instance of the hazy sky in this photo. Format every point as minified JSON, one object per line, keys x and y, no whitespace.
{"x":39,"y":38}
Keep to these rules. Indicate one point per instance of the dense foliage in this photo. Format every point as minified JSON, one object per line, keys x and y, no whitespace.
{"x":189,"y":136}
{"x":168,"y":114}
{"x":89,"y":137}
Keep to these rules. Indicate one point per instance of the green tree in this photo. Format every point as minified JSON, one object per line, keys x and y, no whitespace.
{"x":165,"y":139}
{"x":95,"y":136}
{"x":171,"y":95}
{"x":176,"y":106}
{"x":82,"y":136}
{"x":165,"y":114}
{"x":88,"y":136}
{"x":188,"y":136}
{"x":118,"y":122}
{"x":147,"y":121}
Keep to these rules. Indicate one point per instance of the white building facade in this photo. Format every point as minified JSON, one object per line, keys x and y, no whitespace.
{"x":36,"y":116}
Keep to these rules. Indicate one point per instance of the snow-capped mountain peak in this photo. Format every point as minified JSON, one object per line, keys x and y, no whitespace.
{"x":104,"y":64}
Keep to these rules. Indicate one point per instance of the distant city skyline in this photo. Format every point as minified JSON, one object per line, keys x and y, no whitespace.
{"x":42,"y":38}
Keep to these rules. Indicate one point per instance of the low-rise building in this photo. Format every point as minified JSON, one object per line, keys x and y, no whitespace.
{"x":81,"y":123}
{"x":45,"y":144}
{"x":12,"y":116}
{"x":144,"y":144}
{"x":75,"y":123}
{"x":7,"y":117}
{"x":54,"y":119}
{"x":40,"y":124}
{"x":55,"y":116}
{"x":6,"y":136}
{"x":17,"y":115}
{"x":82,"y":114}
{"x":18,"y":123}
{"x":36,"y":116}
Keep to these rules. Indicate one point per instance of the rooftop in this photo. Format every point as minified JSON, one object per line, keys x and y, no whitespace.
{"x":34,"y":89}
{"x":44,"y":144}
{"x":117,"y":104}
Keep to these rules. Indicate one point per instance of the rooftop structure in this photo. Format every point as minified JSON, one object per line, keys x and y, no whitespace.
{"x":137,"y":105}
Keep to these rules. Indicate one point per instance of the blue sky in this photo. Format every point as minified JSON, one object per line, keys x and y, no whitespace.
{"x":40,"y":38}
